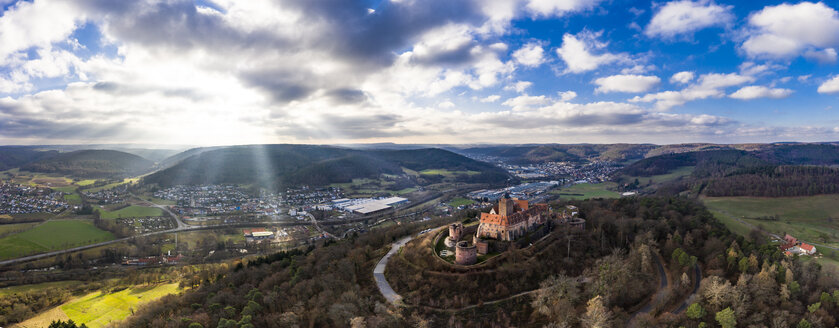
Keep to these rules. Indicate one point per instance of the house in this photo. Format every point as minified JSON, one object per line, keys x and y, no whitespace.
{"x":789,"y":242}
{"x":807,"y":249}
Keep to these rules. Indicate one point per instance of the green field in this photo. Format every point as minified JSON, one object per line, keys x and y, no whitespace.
{"x":447,"y":173}
{"x":16,"y":227}
{"x":67,"y":189}
{"x":52,"y":235}
{"x":37,"y":287}
{"x":460,"y":201}
{"x":813,"y":218}
{"x":73,"y":198}
{"x":130,"y":212}
{"x":99,"y":309}
{"x":656,"y":179}
{"x":85,"y":182}
{"x":588,"y":190}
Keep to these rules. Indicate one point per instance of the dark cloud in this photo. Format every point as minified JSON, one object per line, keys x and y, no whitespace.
{"x":27,"y":127}
{"x":282,"y":85}
{"x":332,"y":126}
{"x":373,"y":38}
{"x":176,"y":24}
{"x":347,"y":96}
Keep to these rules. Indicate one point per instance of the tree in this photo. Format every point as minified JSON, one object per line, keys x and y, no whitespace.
{"x":597,"y":315}
{"x":804,"y":324}
{"x":695,"y":311}
{"x":68,"y":324}
{"x":726,"y":318}
{"x":556,"y":296}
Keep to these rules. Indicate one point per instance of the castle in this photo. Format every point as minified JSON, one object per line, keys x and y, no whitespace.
{"x":511,"y":219}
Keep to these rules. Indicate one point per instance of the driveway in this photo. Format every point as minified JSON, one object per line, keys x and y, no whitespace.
{"x":379,"y":273}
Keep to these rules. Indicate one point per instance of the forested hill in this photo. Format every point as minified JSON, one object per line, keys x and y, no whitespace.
{"x":17,"y":156}
{"x":531,"y":154}
{"x":776,"y":171}
{"x":288,"y":165}
{"x":92,"y":164}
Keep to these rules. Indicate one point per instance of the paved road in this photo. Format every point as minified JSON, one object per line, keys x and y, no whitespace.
{"x":658,"y":294}
{"x":696,"y":279}
{"x":379,"y":273}
{"x":181,"y":224}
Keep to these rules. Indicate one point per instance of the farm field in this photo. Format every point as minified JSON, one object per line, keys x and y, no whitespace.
{"x":447,"y":173}
{"x":588,"y":190}
{"x":100,"y":309}
{"x":52,"y":235}
{"x":460,"y":201}
{"x":130,"y":212}
{"x":73,"y":198}
{"x":656,"y":179}
{"x":15,"y":227}
{"x":37,"y":287}
{"x":812,"y":218}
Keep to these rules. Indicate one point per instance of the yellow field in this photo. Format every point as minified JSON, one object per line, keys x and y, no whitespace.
{"x":99,"y":309}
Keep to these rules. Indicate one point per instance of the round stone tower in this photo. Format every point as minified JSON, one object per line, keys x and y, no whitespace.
{"x":455,"y":232}
{"x":465,"y":254}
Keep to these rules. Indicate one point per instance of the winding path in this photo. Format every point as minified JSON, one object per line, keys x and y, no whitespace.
{"x":379,"y":273}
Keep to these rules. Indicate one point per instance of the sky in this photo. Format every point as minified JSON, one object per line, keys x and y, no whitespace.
{"x":222,"y":72}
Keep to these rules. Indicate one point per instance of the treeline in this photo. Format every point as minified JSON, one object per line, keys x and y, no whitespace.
{"x":781,"y":181}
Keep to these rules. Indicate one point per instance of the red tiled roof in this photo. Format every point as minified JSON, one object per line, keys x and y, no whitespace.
{"x":806,"y":247}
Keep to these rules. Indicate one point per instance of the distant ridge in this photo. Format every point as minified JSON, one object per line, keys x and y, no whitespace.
{"x":286,"y":165}
{"x":92,"y":163}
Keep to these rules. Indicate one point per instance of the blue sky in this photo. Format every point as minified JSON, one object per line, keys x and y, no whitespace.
{"x":409,"y":71}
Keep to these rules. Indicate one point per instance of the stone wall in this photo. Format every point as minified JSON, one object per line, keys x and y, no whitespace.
{"x":465,"y":254}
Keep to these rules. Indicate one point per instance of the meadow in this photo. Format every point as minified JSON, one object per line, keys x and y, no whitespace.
{"x":813,"y":218}
{"x":588,"y":190}
{"x":132,"y":211}
{"x":100,"y":309}
{"x":460,"y":201}
{"x":6,"y":229}
{"x":447,"y":173}
{"x":52,"y":235}
{"x":661,"y":178}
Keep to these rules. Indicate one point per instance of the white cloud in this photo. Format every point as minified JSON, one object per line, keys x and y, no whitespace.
{"x":826,"y":56}
{"x":638,"y":69}
{"x":758,"y":91}
{"x":490,"y":99}
{"x":577,"y":52}
{"x":682,"y":77}
{"x":446,"y":104}
{"x":830,"y":86}
{"x":707,"y":86}
{"x":567,"y":95}
{"x":525,"y":101}
{"x":626,"y":83}
{"x":685,"y":17}
{"x":36,"y":24}
{"x":787,"y":30}
{"x":519,"y":86}
{"x":547,"y":8}
{"x":530,"y":55}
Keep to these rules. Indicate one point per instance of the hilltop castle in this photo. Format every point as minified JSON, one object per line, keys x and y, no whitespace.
{"x":511,"y":219}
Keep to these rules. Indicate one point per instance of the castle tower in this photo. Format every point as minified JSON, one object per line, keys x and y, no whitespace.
{"x":456,"y":231}
{"x":464,"y":254}
{"x":506,"y":206}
